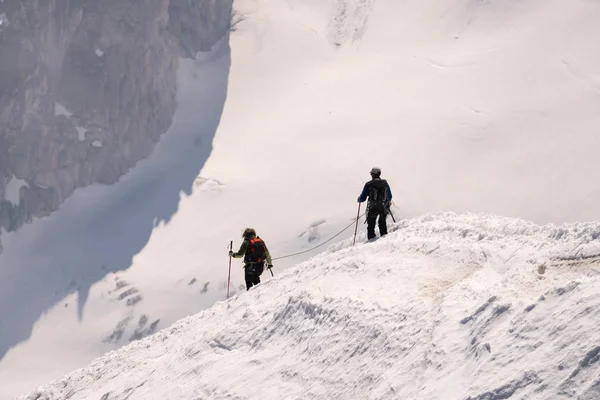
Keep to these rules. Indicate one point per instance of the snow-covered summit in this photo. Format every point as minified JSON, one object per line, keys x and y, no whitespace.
{"x":445,"y":307}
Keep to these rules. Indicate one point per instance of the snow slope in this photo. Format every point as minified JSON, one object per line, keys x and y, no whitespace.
{"x":446,"y":307}
{"x":465,"y":105}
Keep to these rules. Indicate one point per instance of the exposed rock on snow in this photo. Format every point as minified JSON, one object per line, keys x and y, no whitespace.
{"x":55,"y":79}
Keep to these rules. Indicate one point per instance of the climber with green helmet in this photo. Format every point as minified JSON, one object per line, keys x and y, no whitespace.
{"x":255,"y":253}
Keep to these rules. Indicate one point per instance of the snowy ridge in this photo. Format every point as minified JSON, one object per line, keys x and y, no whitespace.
{"x":445,"y":307}
{"x":480,"y":106}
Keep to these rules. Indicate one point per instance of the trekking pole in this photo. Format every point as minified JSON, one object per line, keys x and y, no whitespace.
{"x":356,"y":228}
{"x":390,"y":211}
{"x":271,"y":271}
{"x":229,"y":274}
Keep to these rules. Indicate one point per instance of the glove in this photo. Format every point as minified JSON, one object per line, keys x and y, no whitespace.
{"x":269,"y":266}
{"x":358,"y":199}
{"x":230,"y":253}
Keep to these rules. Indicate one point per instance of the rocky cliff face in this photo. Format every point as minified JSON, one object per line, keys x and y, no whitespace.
{"x":86,"y":89}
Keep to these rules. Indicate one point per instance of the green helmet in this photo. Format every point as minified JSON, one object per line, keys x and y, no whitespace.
{"x":248,"y":233}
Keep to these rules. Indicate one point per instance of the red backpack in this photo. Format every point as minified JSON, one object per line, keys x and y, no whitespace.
{"x":256,"y":251}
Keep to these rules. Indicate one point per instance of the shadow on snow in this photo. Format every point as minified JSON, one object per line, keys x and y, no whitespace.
{"x":101,"y":228}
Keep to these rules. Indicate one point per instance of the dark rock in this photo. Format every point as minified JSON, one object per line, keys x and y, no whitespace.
{"x":87,"y":88}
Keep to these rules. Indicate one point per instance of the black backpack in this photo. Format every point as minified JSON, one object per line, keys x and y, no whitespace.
{"x":256,"y":251}
{"x":378,"y":194}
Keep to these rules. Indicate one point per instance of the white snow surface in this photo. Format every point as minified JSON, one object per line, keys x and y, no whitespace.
{"x":59,"y":109}
{"x":81,"y":133}
{"x":12,"y":190}
{"x":465,"y":105}
{"x":445,"y":307}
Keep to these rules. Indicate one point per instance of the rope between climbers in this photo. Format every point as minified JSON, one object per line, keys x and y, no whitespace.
{"x":325,"y":242}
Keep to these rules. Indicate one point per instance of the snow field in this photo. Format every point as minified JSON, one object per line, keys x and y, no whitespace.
{"x":445,"y":307}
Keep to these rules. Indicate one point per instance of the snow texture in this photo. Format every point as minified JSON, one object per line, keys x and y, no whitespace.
{"x":59,"y":109}
{"x":445,"y":307}
{"x":12,"y":190}
{"x":81,"y":134}
{"x":480,"y":106}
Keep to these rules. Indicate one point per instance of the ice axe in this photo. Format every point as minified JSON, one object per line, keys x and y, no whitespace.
{"x":390,"y":211}
{"x":356,"y":228}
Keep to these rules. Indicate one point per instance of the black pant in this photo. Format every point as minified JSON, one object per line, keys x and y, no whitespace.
{"x":374,"y":212}
{"x":253,"y":273}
